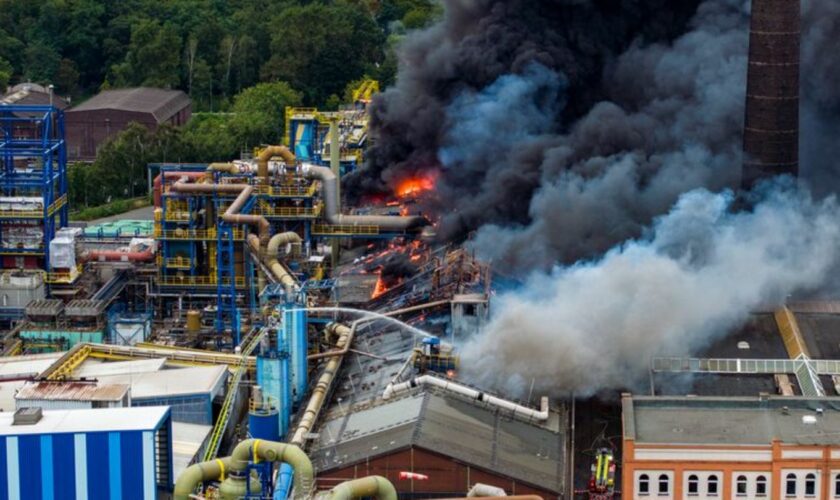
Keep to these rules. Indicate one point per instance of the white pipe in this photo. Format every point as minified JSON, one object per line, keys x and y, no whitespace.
{"x":428,"y":380}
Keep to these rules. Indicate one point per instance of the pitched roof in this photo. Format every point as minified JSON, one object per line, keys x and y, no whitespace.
{"x":161,"y":103}
{"x":448,"y":425}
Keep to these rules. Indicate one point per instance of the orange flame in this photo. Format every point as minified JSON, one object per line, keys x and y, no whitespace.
{"x":379,"y":289}
{"x":416,"y":185}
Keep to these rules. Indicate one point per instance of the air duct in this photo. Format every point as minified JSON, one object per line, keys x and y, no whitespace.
{"x":319,"y":393}
{"x":366,"y":487}
{"x":250,"y":450}
{"x":771,"y":126}
{"x":333,"y":215}
{"x":428,"y":380}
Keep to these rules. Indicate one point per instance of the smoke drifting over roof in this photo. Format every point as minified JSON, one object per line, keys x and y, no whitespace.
{"x":596,"y":324}
{"x":563,"y":129}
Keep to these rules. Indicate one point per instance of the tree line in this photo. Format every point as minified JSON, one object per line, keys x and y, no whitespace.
{"x":212,"y":49}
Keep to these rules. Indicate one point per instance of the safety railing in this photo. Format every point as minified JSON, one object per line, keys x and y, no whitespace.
{"x":178,"y":262}
{"x":343,"y":230}
{"x":64,"y":277}
{"x":269,"y":211}
{"x":192,"y":234}
{"x":239,"y":282}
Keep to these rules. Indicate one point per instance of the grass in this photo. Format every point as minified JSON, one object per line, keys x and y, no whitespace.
{"x":109,"y":209}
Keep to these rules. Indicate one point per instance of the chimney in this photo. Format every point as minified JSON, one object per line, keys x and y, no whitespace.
{"x":771,"y":126}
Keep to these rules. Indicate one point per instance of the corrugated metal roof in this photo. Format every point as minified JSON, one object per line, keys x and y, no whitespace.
{"x":172,"y":382}
{"x":72,"y":391}
{"x":94,"y":368}
{"x":28,"y":365}
{"x":144,"y":418}
{"x":446,"y":424}
{"x":161,"y":103}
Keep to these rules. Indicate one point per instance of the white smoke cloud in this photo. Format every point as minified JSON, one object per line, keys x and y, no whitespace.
{"x":696,"y":275}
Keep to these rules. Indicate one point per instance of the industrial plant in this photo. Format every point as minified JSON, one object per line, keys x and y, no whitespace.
{"x":435,"y":290}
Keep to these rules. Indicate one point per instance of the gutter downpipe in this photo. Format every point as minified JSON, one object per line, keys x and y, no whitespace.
{"x":370,"y":486}
{"x":332,"y":214}
{"x":428,"y":380}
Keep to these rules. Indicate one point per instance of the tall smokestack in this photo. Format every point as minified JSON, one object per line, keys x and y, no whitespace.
{"x":771,"y":127}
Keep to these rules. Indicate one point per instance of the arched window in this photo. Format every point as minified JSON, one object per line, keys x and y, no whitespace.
{"x":790,"y":485}
{"x":837,"y":486}
{"x":693,"y":485}
{"x":644,"y":484}
{"x":810,"y":485}
{"x":712,"y":486}
{"x":741,"y":486}
{"x":664,"y":487}
{"x":761,"y":486}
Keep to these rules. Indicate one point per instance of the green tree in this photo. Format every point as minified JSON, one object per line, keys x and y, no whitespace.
{"x":153,"y":57}
{"x":259,"y":113}
{"x":5,"y":73}
{"x":320,"y":48}
{"x":42,"y":62}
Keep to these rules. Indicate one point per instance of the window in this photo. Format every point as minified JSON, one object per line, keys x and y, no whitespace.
{"x":644,"y":484}
{"x":837,"y":486}
{"x":663,"y":484}
{"x":810,"y":485}
{"x":790,"y":485}
{"x":712,"y":486}
{"x":741,"y":486}
{"x":693,"y":485}
{"x":761,"y":486}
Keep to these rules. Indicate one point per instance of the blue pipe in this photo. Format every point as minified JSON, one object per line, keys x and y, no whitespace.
{"x":284,"y":482}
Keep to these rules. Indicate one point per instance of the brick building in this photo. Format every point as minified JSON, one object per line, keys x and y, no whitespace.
{"x":703,"y":448}
{"x":109,"y":112}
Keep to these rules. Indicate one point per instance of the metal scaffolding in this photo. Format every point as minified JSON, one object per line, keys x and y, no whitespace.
{"x":33,"y":164}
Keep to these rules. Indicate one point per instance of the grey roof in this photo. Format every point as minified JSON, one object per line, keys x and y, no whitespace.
{"x":448,"y":425}
{"x":731,"y":421}
{"x":161,"y":103}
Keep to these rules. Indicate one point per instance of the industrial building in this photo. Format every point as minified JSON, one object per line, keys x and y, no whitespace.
{"x":92,"y":453}
{"x":94,"y":121}
{"x":719,"y":447}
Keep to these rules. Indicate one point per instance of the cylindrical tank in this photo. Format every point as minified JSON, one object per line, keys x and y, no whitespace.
{"x":263,"y":423}
{"x":193,"y":321}
{"x":771,"y":128}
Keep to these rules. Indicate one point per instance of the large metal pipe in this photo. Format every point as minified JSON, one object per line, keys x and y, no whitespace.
{"x":117,"y":256}
{"x":319,"y":393}
{"x":229,"y":168}
{"x":232,"y":215}
{"x":252,"y":450}
{"x":428,"y":380}
{"x":267,"y":154}
{"x":365,"y":487}
{"x":158,"y":182}
{"x":198,"y":473}
{"x":333,"y":215}
{"x":281,"y":274}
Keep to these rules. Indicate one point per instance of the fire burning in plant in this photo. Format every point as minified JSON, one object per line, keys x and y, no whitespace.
{"x":414,"y":186}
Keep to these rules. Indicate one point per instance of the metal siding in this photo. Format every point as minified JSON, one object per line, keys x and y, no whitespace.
{"x":29,"y":455}
{"x":64,"y":454}
{"x":47,"y":467}
{"x":12,"y":468}
{"x":98,"y":479}
{"x":80,"y":465}
{"x":149,"y":486}
{"x":131,"y":445}
{"x":115,"y":469}
{"x":4,"y":483}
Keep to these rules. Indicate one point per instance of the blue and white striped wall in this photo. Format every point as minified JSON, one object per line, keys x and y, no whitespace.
{"x":90,"y":465}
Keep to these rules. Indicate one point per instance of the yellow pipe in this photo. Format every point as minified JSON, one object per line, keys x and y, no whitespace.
{"x":267,"y":154}
{"x":370,"y":486}
{"x":229,"y":168}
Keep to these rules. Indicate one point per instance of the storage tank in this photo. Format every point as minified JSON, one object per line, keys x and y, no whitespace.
{"x":193,"y":321}
{"x":263,"y":417}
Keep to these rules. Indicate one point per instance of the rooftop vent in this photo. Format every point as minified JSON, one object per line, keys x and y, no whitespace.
{"x":743,"y":345}
{"x":809,"y":419}
{"x":27,"y":416}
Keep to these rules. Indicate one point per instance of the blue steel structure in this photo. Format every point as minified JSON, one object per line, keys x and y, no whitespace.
{"x":33,"y":159}
{"x":123,"y":453}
